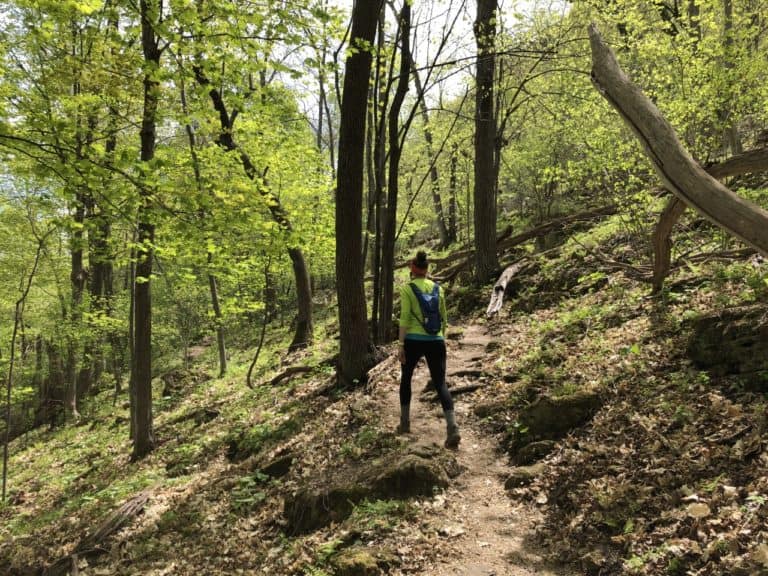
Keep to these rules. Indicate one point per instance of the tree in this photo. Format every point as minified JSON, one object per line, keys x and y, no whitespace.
{"x":680,"y":173}
{"x":486,"y":261}
{"x":141,"y":407}
{"x":353,"y":325}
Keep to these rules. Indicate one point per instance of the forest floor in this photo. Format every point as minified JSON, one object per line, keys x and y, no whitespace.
{"x":666,"y":477}
{"x":488,"y":534}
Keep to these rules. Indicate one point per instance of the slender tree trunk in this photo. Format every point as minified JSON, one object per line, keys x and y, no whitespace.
{"x":39,"y":383}
{"x":132,"y":338}
{"x":304,"y":326}
{"x":453,"y":194}
{"x":731,"y":138}
{"x":9,"y":383}
{"x":212,"y":280}
{"x":218,"y":318}
{"x":434,"y":178}
{"x":77,"y":280}
{"x":370,"y":225}
{"x":378,"y":112}
{"x":384,"y":327}
{"x":144,"y":438}
{"x":354,"y":354}
{"x":486,"y":260}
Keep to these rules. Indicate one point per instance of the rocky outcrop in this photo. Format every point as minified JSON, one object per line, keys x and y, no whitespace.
{"x":733,"y":342}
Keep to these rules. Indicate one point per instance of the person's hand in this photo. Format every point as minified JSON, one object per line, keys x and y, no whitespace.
{"x":401,"y":354}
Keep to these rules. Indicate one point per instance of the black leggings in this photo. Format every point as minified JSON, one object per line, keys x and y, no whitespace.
{"x":434,"y":352}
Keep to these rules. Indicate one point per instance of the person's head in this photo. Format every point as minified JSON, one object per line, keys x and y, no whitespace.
{"x":420,"y":264}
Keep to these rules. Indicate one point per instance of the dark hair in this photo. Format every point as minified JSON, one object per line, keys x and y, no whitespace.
{"x":421,"y":260}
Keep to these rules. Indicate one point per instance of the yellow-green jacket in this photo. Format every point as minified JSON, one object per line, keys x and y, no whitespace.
{"x":410,"y":312}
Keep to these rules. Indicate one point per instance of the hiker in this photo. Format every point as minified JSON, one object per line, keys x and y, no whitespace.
{"x":422,"y":333}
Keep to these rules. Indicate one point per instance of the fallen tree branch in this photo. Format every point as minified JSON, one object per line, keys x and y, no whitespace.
{"x":748,"y":162}
{"x":458,"y":391}
{"x":506,"y":241}
{"x":289,"y":373}
{"x":91,"y":544}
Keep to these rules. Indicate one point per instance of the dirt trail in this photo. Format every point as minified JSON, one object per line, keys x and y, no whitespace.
{"x":483,"y":532}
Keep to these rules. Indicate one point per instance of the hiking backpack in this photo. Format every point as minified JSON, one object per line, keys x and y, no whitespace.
{"x":430,"y":308}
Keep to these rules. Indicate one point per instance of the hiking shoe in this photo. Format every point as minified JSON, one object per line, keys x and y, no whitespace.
{"x":403,"y":429}
{"x":453,"y":439}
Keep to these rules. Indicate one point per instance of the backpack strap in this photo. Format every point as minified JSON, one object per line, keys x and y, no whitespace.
{"x":416,"y":293}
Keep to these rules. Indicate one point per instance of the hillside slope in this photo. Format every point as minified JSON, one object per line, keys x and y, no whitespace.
{"x":592,"y":444}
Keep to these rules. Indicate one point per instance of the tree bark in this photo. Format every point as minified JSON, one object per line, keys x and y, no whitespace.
{"x":144,"y":439}
{"x":353,"y":325}
{"x":500,"y":288}
{"x":384,"y":327}
{"x":680,"y":173}
{"x":221,"y":344}
{"x":486,"y":261}
{"x":453,"y":194}
{"x":380,"y":100}
{"x":77,"y":280}
{"x":753,"y":161}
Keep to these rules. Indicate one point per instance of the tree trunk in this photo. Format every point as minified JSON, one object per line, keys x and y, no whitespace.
{"x":384,"y":327}
{"x":39,"y":383}
{"x":370,"y":224}
{"x":144,"y":438}
{"x":303,"y":335}
{"x":453,"y":194}
{"x":434,"y":179}
{"x":304,"y":325}
{"x":680,"y":173}
{"x":731,"y":138}
{"x":213,"y":285}
{"x":353,"y":325}
{"x":77,"y":280}
{"x":220,"y":340}
{"x":380,"y":102}
{"x":753,"y":161}
{"x":486,"y":262}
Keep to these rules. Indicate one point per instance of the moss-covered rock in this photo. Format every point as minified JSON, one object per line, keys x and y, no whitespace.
{"x":534,"y":451}
{"x":523,"y":475}
{"x":399,"y":476}
{"x":552,"y":418}
{"x":357,"y":561}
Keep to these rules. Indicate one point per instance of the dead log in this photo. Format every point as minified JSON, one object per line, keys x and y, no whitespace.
{"x":91,"y":545}
{"x":556,"y":224}
{"x":289,"y":373}
{"x":506,"y":241}
{"x":674,"y":165}
{"x":500,"y":288}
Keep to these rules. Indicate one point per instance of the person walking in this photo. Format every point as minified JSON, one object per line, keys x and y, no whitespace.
{"x":423,"y":320}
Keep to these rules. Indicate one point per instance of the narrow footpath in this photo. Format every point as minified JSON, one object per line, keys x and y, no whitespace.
{"x":483,"y":533}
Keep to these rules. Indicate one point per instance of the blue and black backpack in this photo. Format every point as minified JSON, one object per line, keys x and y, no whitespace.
{"x":430,"y":308}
